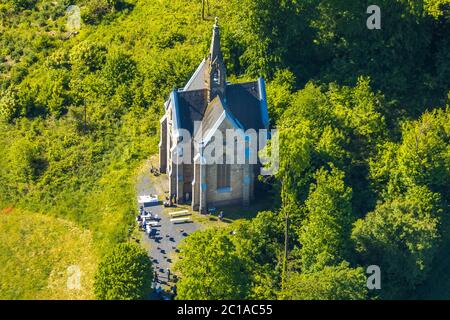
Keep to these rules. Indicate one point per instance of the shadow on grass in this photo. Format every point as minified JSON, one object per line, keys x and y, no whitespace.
{"x":236,"y":212}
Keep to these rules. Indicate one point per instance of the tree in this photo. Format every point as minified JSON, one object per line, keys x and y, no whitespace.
{"x":25,"y":162}
{"x":9,"y":105}
{"x":95,"y":10}
{"x":338,"y":124}
{"x":57,"y":93}
{"x":259,"y":243}
{"x":87,"y":57}
{"x":360,"y":110}
{"x":205,"y":4}
{"x":421,"y":159}
{"x":124,"y":274}
{"x":423,"y":156}
{"x":331,"y":283}
{"x":119,"y":70}
{"x":210,"y":268}
{"x":269,"y":32}
{"x":435,"y":8}
{"x":335,"y":43}
{"x":325,"y":236}
{"x":279,"y":94}
{"x":401,"y":236}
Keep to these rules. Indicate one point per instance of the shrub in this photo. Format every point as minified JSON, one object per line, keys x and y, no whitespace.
{"x":125,"y":274}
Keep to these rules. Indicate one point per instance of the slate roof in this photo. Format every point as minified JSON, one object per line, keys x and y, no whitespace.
{"x":242,"y":101}
{"x":212,"y":113}
{"x":244,"y":104}
{"x":191,"y":106}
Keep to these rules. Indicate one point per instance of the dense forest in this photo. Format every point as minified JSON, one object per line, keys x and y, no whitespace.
{"x":363,"y":119}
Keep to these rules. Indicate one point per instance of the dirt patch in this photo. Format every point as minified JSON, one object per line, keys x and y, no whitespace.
{"x":7,"y":210}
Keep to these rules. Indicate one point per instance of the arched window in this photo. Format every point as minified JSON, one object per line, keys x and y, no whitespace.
{"x":223,"y":176}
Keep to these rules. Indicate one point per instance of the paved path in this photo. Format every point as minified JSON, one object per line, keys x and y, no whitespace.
{"x":165,"y":240}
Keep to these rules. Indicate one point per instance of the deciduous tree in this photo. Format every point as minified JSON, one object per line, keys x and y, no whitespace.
{"x":124,"y":274}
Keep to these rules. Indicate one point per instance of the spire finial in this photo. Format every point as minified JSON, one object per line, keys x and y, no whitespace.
{"x":216,"y":22}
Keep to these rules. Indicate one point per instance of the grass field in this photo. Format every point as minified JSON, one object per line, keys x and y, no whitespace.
{"x":40,"y":255}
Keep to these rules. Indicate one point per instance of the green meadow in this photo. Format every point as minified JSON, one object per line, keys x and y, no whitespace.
{"x":38,"y":255}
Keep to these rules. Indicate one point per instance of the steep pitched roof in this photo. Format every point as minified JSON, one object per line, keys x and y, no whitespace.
{"x":208,"y":98}
{"x":192,"y":106}
{"x":197,"y":80}
{"x":216,"y":113}
{"x":212,"y":114}
{"x":244,"y":103}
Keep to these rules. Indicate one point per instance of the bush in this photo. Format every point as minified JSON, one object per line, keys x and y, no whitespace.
{"x":24,"y":4}
{"x":125,"y":274}
{"x":119,"y":69}
{"x":95,"y":10}
{"x":88,"y":55}
{"x":9,"y":107}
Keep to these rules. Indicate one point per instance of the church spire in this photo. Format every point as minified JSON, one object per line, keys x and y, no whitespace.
{"x":215,"y":51}
{"x":216,"y":73}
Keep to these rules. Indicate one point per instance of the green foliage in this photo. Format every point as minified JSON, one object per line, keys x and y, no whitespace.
{"x":328,"y":40}
{"x":338,"y":282}
{"x":118,"y":71}
{"x":241,"y":261}
{"x":58,"y":59}
{"x":435,"y":8}
{"x":87,"y":56}
{"x":124,"y":274}
{"x":420,"y":159}
{"x":26,"y":162}
{"x":9,"y":105}
{"x":279,"y":94}
{"x":57,"y":160}
{"x":405,"y":229}
{"x":23,"y":4}
{"x":268,"y":34}
{"x":53,"y":93}
{"x":423,"y":156}
{"x":401,"y":236}
{"x":341,"y":126}
{"x":210,"y":268}
{"x":95,"y":10}
{"x":259,"y":243}
{"x":324,"y":237}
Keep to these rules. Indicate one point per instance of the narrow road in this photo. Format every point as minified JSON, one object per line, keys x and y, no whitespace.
{"x":167,"y":235}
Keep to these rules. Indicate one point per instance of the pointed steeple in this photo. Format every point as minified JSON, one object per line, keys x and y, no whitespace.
{"x":215,"y":51}
{"x":215,"y":76}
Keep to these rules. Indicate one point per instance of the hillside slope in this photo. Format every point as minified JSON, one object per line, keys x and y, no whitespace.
{"x":39,"y":255}
{"x":56,"y":163}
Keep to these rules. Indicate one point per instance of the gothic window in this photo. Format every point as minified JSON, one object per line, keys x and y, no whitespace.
{"x":223,"y":176}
